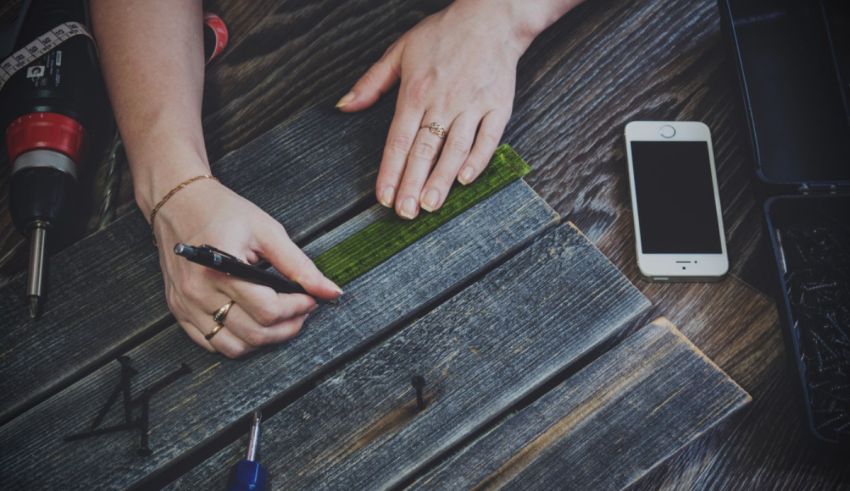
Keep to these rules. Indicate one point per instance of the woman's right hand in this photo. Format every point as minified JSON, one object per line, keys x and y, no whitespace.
{"x":207,"y":212}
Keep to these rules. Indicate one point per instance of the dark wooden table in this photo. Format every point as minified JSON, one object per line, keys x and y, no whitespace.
{"x":601,"y":66}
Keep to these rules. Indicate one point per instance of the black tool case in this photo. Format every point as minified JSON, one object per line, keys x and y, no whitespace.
{"x":793,"y":60}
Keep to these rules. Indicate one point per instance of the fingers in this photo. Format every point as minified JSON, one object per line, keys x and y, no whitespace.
{"x":400,"y":139}
{"x":412,"y":181}
{"x":240,"y":333}
{"x":489,"y":134}
{"x":265,"y":306}
{"x":454,"y":153}
{"x":377,"y":80}
{"x":223,"y":341}
{"x":423,"y":154}
{"x":276,"y":246}
{"x":196,"y":335}
{"x":254,"y":335}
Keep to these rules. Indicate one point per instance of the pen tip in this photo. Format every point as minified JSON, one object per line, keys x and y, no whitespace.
{"x":33,"y":306}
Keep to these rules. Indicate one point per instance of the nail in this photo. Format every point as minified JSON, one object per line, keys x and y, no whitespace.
{"x":408,"y":208}
{"x":387,"y":196}
{"x":346,"y":99}
{"x":431,"y":199}
{"x":465,"y":176}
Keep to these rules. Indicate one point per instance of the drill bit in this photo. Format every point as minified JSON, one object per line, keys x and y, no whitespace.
{"x":35,"y":269}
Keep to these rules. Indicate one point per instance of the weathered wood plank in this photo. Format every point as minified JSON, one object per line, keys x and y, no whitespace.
{"x":604,"y":427}
{"x":479,"y":352}
{"x":305,"y":174}
{"x":768,"y":445}
{"x":198,"y":406}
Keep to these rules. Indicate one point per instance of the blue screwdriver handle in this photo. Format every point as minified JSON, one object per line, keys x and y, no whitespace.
{"x":248,"y":475}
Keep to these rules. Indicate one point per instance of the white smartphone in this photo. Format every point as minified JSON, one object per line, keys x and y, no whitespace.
{"x":679,"y":232}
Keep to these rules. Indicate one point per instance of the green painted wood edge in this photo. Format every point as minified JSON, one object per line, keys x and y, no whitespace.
{"x":380,"y":240}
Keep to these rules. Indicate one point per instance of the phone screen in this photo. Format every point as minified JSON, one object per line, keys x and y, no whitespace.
{"x":675,"y":197}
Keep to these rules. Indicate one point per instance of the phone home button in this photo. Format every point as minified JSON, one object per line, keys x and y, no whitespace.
{"x":667,"y":131}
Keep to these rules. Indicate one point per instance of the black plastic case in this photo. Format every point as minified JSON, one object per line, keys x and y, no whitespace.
{"x":792,"y":58}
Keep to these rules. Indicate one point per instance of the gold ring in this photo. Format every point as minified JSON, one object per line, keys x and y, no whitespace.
{"x":222,"y":312}
{"x":437,"y":129}
{"x":218,"y":327}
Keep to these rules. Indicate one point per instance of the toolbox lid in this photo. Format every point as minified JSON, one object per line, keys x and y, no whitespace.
{"x":793,"y":60}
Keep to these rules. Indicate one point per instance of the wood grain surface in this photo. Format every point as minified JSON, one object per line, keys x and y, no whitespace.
{"x":479,"y":353}
{"x":218,"y":391}
{"x":604,"y":427}
{"x":604,"y":64}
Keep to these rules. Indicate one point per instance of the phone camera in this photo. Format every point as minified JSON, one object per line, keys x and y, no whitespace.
{"x":684,"y":267}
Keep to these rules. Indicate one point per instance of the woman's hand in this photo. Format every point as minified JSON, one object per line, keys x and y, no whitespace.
{"x":458,"y":69}
{"x":207,"y":212}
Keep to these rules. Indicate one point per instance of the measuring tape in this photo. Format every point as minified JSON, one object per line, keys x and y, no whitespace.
{"x":39,"y":47}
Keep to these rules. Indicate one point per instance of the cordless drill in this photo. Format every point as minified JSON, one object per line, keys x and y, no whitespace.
{"x":51,"y":102}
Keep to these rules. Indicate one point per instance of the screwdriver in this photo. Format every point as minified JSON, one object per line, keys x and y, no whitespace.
{"x":248,"y":474}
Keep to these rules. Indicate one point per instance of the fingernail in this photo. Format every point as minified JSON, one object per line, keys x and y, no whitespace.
{"x":465,"y":176}
{"x":346,"y":99}
{"x":314,"y":307}
{"x":430,"y":200}
{"x":387,"y":196}
{"x":408,"y":208}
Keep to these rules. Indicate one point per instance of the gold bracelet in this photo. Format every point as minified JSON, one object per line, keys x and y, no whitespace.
{"x":171,"y":193}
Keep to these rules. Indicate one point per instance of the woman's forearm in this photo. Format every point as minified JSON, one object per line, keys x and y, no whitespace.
{"x":531,"y":17}
{"x":153,"y":62}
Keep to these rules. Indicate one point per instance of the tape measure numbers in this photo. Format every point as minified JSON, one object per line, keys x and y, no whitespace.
{"x":38,"y":48}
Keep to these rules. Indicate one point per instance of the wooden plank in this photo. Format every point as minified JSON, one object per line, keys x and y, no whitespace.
{"x":305,"y":174}
{"x":606,"y":426}
{"x":481,"y":351}
{"x":768,"y":446}
{"x":200,"y":405}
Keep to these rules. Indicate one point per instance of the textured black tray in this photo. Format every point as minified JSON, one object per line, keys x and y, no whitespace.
{"x":811,"y":240}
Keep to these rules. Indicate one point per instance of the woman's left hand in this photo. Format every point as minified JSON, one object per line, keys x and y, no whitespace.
{"x":457,"y":69}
